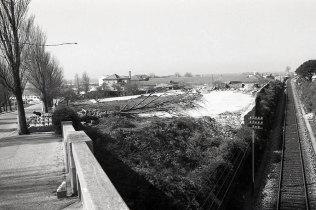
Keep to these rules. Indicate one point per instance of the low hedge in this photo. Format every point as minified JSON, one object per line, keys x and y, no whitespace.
{"x":64,"y":113}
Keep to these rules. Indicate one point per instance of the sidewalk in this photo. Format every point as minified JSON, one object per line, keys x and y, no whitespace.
{"x":31,"y":169}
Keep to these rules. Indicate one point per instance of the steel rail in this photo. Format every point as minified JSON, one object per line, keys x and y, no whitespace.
{"x":301,"y":160}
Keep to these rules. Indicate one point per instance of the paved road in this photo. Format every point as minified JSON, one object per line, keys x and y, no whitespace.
{"x":31,"y":167}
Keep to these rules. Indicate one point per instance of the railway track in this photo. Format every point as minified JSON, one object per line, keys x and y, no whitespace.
{"x":292,"y":192}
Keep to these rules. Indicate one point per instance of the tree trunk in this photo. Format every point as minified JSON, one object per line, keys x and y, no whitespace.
{"x":10,"y":105}
{"x":21,"y":115}
{"x":8,"y":102}
{"x":45,"y":101}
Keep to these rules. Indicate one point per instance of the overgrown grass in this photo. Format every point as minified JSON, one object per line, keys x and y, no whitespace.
{"x":307,"y":94}
{"x":179,"y":156}
{"x":183,"y":157}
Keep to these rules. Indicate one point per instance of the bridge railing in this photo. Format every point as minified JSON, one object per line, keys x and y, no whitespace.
{"x":87,"y":178}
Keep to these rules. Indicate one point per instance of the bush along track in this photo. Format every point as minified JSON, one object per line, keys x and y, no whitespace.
{"x":191,"y":161}
{"x":267,"y":102}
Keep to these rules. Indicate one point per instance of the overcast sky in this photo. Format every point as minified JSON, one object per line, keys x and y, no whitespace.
{"x":168,"y":36}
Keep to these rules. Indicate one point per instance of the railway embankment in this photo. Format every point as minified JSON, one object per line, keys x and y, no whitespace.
{"x":269,"y":104}
{"x":308,"y":145}
{"x":296,"y":135}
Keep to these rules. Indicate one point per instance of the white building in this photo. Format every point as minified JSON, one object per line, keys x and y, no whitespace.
{"x":111,"y":81}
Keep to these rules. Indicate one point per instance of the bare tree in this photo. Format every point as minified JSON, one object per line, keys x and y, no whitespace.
{"x":188,"y":74}
{"x":44,"y":72}
{"x":77,"y":83}
{"x":14,"y":36}
{"x":4,"y":98}
{"x":85,"y":82}
{"x":177,"y":74}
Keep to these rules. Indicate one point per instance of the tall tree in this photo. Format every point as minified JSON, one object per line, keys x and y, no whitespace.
{"x":77,"y":83}
{"x":43,"y":72}
{"x":177,"y":74}
{"x":4,"y":98}
{"x":14,"y":36}
{"x":85,"y":82}
{"x":307,"y":69}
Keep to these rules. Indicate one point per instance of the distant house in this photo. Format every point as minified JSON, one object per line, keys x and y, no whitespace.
{"x":269,"y":76}
{"x":113,"y":81}
{"x":143,"y":77}
{"x":136,"y":78}
{"x":314,"y":77}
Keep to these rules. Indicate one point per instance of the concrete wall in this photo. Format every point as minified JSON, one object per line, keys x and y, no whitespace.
{"x":87,"y":177}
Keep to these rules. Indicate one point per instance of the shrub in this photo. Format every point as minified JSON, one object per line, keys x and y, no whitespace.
{"x":307,"y":94}
{"x":307,"y":69}
{"x":64,"y":113}
{"x":89,"y":118}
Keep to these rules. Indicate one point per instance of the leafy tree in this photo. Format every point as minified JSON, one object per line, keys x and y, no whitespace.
{"x":307,"y":69}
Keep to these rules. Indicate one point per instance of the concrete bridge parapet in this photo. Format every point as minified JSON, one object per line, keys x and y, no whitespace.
{"x":87,"y":177}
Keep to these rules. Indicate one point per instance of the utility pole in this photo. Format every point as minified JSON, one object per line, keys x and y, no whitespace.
{"x":212,"y":81}
{"x":256,"y":123}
